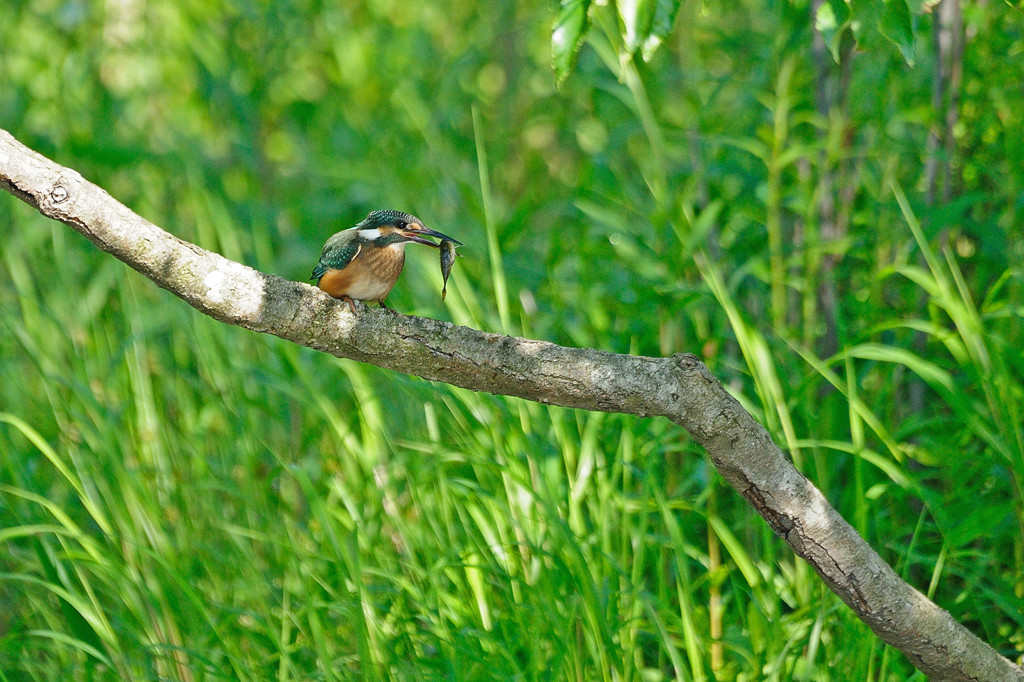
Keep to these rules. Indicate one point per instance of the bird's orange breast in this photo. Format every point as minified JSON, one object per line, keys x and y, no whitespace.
{"x":369,"y":277}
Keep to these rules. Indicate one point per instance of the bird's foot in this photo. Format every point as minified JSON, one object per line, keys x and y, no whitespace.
{"x":351,"y":304}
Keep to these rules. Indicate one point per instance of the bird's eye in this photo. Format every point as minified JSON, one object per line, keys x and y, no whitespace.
{"x":401,"y":224}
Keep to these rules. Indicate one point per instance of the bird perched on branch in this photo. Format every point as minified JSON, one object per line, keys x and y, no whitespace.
{"x":363,"y":262}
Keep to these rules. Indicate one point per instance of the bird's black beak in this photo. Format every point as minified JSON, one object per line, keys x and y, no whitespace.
{"x":417,"y":234}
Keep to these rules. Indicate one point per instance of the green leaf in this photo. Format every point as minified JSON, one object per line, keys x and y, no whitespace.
{"x":665,"y":12}
{"x":643,"y":26}
{"x":875,"y":21}
{"x":634,"y":17}
{"x":567,"y":35}
{"x":646,"y":23}
{"x":896,"y":25}
{"x":864,"y":16}
{"x":833,"y":21}
{"x":932,"y":374}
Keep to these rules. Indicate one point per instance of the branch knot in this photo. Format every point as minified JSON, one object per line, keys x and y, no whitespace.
{"x":59,"y":194}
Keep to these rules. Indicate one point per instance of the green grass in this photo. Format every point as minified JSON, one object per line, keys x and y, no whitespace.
{"x":184,"y":500}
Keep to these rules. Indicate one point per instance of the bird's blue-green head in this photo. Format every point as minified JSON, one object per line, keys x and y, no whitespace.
{"x":392,"y":227}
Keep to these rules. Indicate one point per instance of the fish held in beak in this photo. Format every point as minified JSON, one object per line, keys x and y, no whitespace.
{"x":447,"y":249}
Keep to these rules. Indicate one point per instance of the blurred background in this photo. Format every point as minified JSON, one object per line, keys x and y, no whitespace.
{"x":839,"y":240}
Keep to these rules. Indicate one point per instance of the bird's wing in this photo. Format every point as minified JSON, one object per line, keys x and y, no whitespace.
{"x":336,"y":257}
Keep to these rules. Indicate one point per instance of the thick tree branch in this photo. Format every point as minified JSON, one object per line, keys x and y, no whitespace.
{"x":679,"y":388}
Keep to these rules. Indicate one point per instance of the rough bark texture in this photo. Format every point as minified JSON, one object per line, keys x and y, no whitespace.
{"x":679,"y":388}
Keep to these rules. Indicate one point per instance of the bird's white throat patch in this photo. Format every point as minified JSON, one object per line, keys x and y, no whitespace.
{"x":370,"y":234}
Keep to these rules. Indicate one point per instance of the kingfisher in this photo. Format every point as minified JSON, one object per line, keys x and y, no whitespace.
{"x":363,"y":262}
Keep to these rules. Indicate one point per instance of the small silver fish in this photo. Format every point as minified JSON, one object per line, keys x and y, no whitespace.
{"x":447,"y":261}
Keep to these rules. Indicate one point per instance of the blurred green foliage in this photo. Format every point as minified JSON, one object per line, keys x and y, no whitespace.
{"x":184,"y":500}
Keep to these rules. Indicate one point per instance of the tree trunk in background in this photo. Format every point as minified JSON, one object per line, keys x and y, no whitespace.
{"x":831,"y":83}
{"x":940,"y":160}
